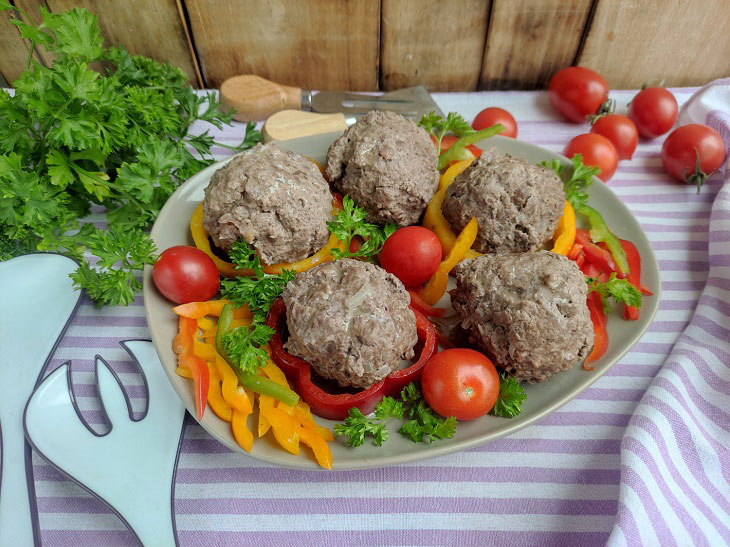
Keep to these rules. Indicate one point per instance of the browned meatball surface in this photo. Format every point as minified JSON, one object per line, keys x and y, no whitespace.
{"x":350,"y":320}
{"x":528,"y":311}
{"x":387,"y":165}
{"x":517,"y":204}
{"x":274,"y":199}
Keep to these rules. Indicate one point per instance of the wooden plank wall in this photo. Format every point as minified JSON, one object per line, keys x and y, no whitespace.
{"x":447,"y":45}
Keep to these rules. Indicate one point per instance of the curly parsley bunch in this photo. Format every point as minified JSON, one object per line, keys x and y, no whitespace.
{"x":73,"y":139}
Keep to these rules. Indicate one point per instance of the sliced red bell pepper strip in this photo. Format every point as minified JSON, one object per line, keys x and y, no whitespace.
{"x":601,"y":258}
{"x":336,"y":407}
{"x":183,"y":346}
{"x":634,"y":277}
{"x":575,"y":250}
{"x":600,"y":339}
{"x":424,"y":307}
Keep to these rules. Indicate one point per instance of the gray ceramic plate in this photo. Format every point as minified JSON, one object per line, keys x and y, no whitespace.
{"x":171,"y":229}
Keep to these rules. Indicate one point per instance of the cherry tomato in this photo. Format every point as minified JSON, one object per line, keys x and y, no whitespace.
{"x":654,"y":111}
{"x":685,"y":146}
{"x":492,"y":116}
{"x":412,"y":254}
{"x":448,"y":141}
{"x":460,"y":382}
{"x":597,"y":151}
{"x":186,"y":274}
{"x":621,"y":131}
{"x":577,"y":92}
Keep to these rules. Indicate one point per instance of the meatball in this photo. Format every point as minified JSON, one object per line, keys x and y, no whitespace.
{"x":350,"y":320}
{"x":528,"y":311}
{"x":517,"y":204}
{"x":387,"y":165}
{"x":274,"y":199}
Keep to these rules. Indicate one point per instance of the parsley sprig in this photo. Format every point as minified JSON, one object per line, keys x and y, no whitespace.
{"x":350,"y":222}
{"x":244,"y":346}
{"x":72,"y":138}
{"x":620,"y":290}
{"x":422,"y":423}
{"x":510,"y":398}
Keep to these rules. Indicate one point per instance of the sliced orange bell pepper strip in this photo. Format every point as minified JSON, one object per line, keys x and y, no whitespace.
{"x":215,"y":398}
{"x":286,"y":431}
{"x":436,"y":286}
{"x":184,"y":372}
{"x":232,"y":393}
{"x":183,"y":346}
{"x":265,"y":404}
{"x":205,"y":351}
{"x":433,"y":218}
{"x":318,"y":445}
{"x":240,"y":429}
{"x":196,"y":310}
{"x":200,"y":237}
{"x":565,"y":231}
{"x":303,"y":415}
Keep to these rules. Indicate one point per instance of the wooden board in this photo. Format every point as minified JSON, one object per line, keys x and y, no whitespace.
{"x":14,"y":48}
{"x":434,"y":43}
{"x":154,"y":28}
{"x":529,"y":41}
{"x":633,"y":41}
{"x":315,"y":44}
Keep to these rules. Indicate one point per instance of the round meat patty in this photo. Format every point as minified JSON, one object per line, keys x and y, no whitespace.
{"x":528,"y":311}
{"x":387,"y":165}
{"x":350,"y":320}
{"x":274,"y":199}
{"x":517,"y":204}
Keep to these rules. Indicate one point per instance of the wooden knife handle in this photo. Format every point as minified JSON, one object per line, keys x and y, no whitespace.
{"x":291,"y":124}
{"x":254,"y":98}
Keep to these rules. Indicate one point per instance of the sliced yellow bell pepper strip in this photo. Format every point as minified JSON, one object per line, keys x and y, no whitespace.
{"x":215,"y":399}
{"x":434,"y":220}
{"x":200,"y":237}
{"x":184,"y":372}
{"x":205,"y":324}
{"x":265,"y":404}
{"x":203,"y":350}
{"x":286,"y":431}
{"x":436,"y":286}
{"x":232,"y":393}
{"x":240,"y":429}
{"x":303,"y":415}
{"x":565,"y":231}
{"x":318,"y":445}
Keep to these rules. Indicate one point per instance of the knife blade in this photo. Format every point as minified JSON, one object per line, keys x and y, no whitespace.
{"x":411,"y":102}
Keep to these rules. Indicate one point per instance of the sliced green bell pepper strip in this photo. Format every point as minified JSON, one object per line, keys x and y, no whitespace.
{"x":456,"y":152}
{"x":258,"y":384}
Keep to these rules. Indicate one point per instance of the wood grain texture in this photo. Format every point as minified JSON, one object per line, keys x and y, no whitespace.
{"x":434,"y":43}
{"x":684,"y":43}
{"x":153,"y":28}
{"x":314,"y":44}
{"x":529,"y":41}
{"x":13,"y":48}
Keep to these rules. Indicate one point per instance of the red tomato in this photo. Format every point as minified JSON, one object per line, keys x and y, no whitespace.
{"x":448,"y":141}
{"x":621,"y":131}
{"x":577,"y":92}
{"x":685,"y":145}
{"x":654,"y":111}
{"x":186,"y":274}
{"x":597,"y":151}
{"x":412,"y":254}
{"x":460,"y":382}
{"x":492,"y":116}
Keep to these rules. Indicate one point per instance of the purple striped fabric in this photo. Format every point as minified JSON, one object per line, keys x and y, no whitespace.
{"x":638,"y":458}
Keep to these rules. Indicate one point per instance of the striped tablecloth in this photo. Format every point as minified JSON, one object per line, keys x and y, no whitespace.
{"x":553,"y":483}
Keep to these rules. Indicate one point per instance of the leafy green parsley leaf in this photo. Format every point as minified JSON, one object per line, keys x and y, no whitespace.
{"x":244,"y":346}
{"x":350,"y":222}
{"x":389,"y":408}
{"x":356,"y":426}
{"x":510,"y":398}
{"x":575,"y":180}
{"x":620,"y":290}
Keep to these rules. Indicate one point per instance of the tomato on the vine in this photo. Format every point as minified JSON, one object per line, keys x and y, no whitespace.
{"x":577,"y":92}
{"x":597,"y":151}
{"x":492,"y":116}
{"x":692,"y":152}
{"x":460,"y":382}
{"x":186,"y":274}
{"x":654,"y":111}
{"x":621,"y":131}
{"x":412,"y":254}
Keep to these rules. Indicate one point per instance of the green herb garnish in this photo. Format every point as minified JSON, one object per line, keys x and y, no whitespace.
{"x":510,"y":398}
{"x":350,"y":222}
{"x":620,"y":290}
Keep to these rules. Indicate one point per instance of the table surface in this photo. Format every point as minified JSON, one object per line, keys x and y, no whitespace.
{"x":553,"y":483}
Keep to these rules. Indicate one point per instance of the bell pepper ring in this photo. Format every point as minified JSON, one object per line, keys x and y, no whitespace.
{"x":228,"y":269}
{"x":336,"y":406}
